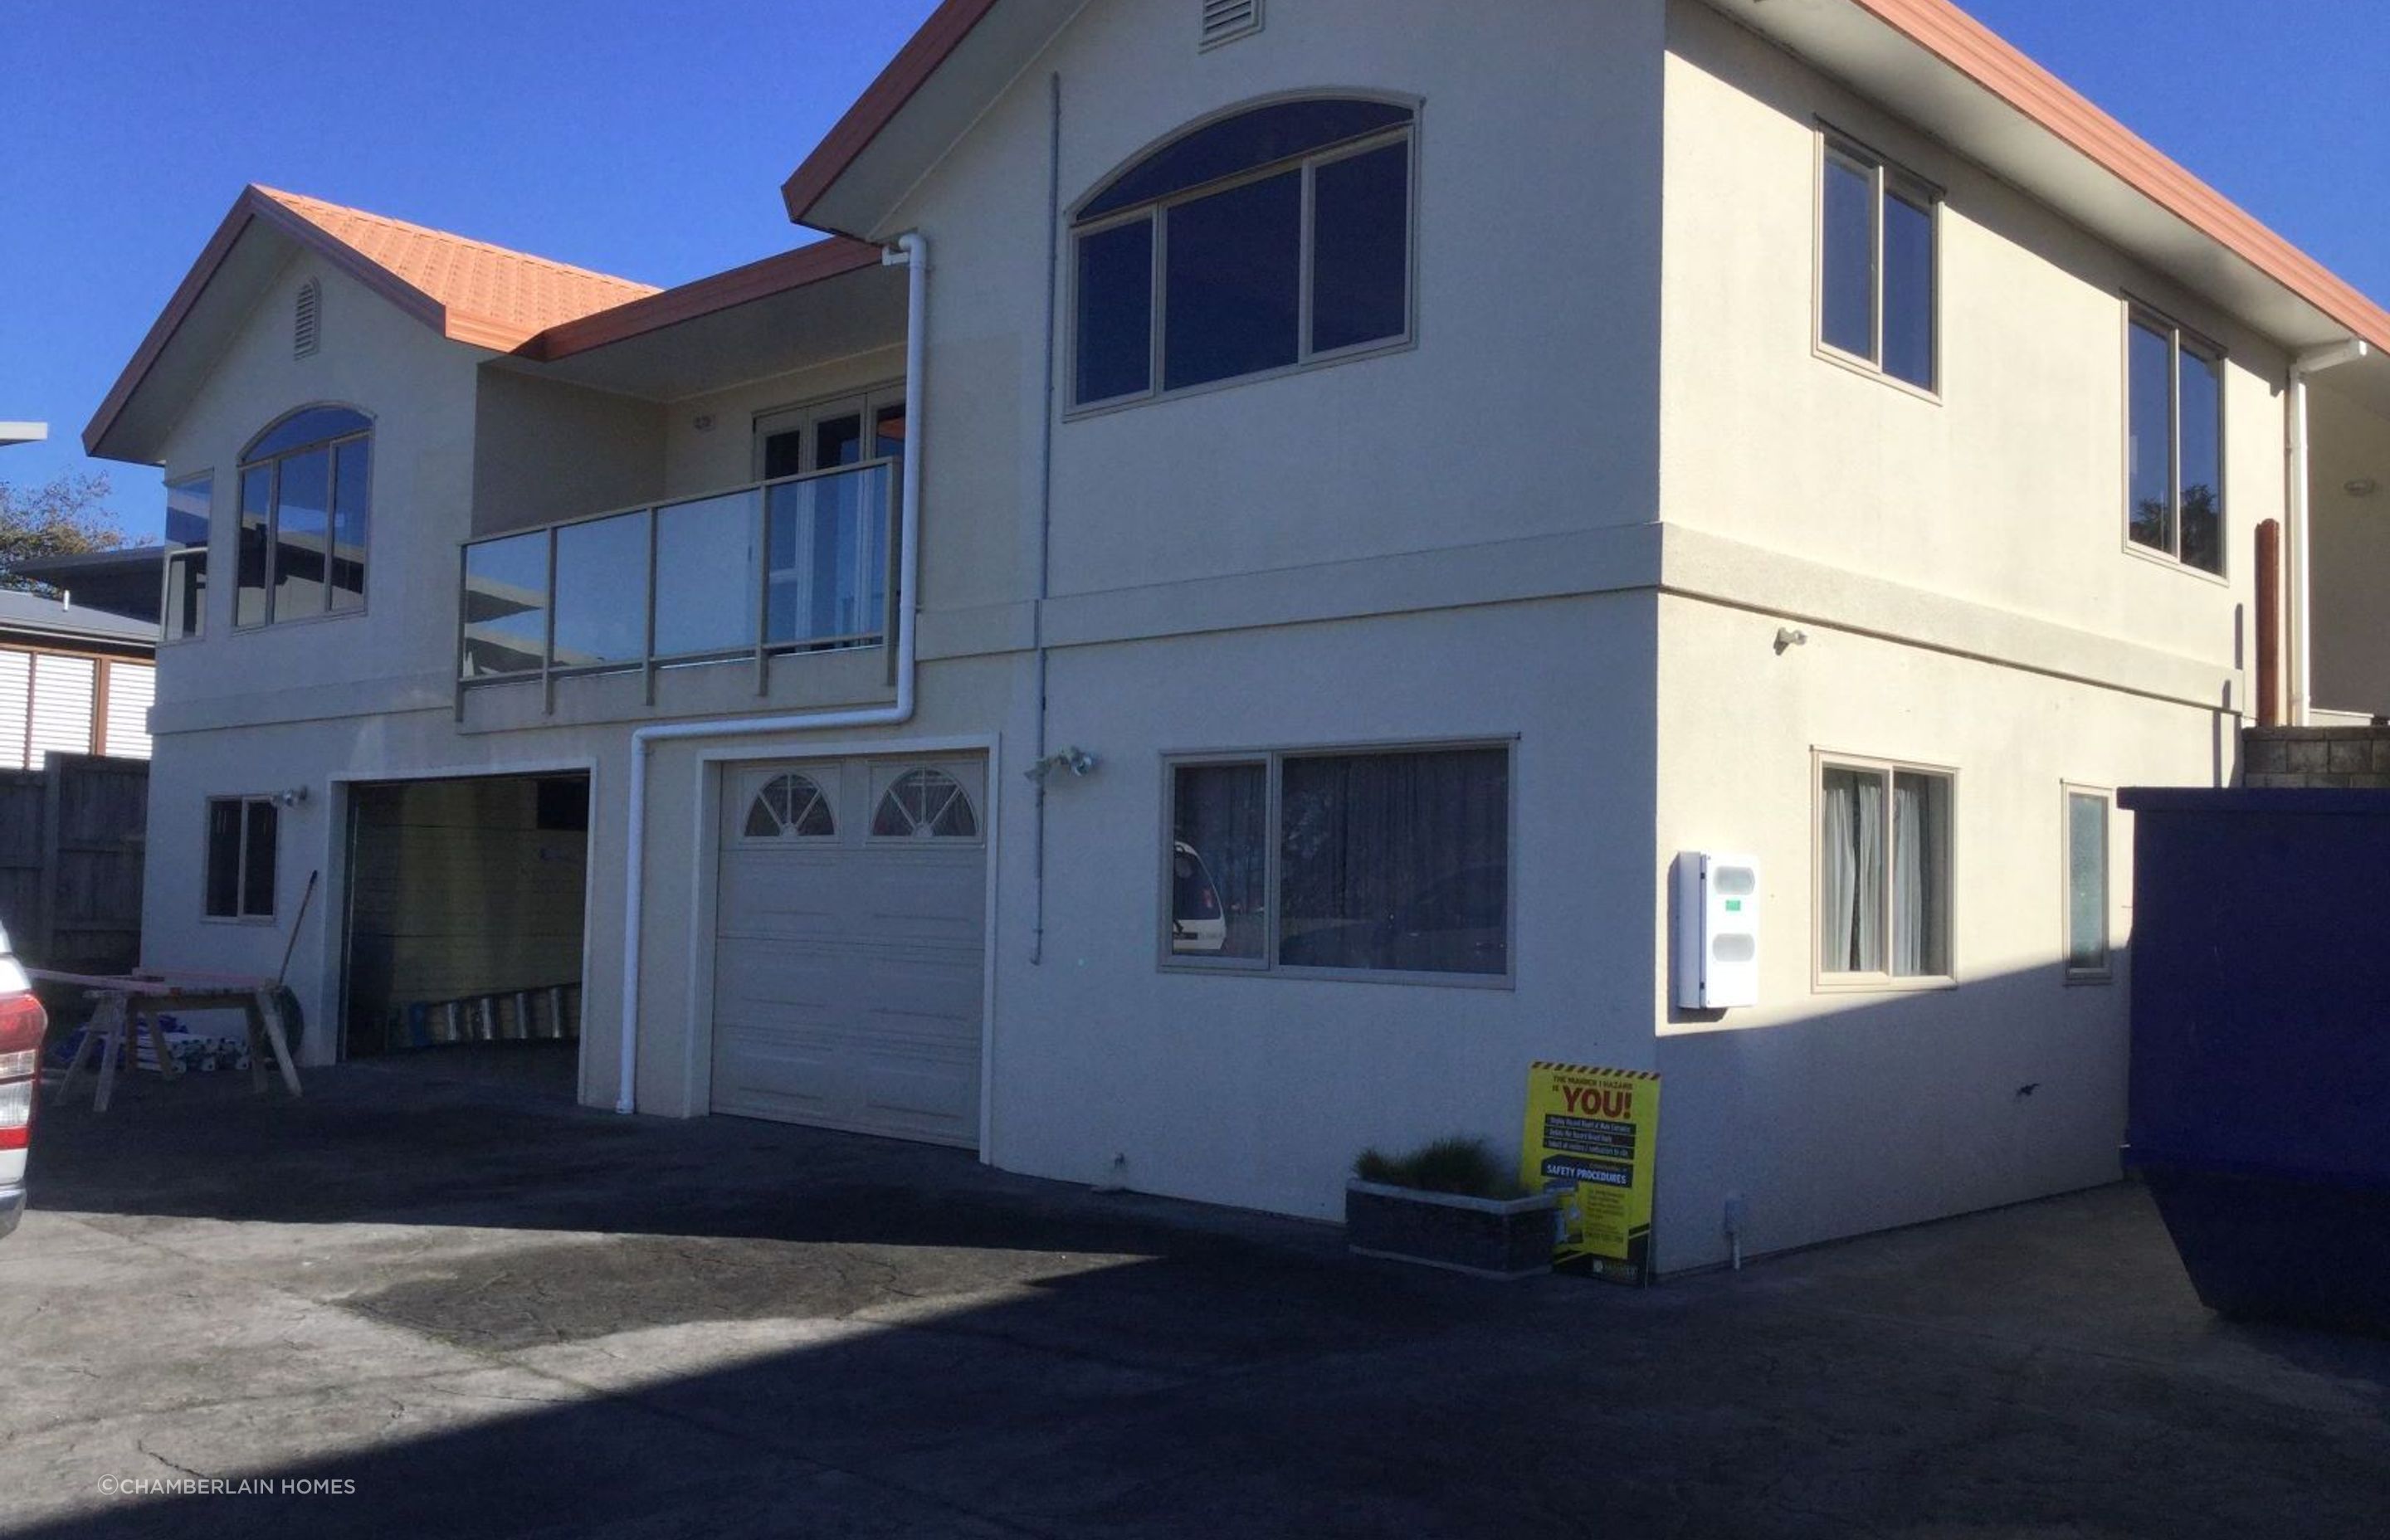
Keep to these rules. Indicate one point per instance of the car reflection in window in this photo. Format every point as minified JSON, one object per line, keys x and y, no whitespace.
{"x":1197,"y":924}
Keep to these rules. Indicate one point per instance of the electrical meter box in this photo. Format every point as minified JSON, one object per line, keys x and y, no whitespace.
{"x":1717,"y":931}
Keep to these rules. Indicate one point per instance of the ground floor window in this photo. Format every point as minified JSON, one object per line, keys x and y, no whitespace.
{"x":1389,"y":861}
{"x":242,"y":832}
{"x":2086,"y":884}
{"x":1883,"y":872}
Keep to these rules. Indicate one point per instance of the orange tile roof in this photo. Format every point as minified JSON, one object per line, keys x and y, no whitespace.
{"x":491,"y":295}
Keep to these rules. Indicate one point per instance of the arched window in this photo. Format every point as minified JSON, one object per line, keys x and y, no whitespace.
{"x":305,"y":501}
{"x":1275,"y":237}
{"x":923,"y":805}
{"x":789,"y":806}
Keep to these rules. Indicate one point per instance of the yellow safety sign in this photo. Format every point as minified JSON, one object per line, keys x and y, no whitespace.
{"x":1591,"y":1138}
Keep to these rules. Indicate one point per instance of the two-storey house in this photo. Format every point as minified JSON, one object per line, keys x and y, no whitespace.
{"x":1193,"y":634}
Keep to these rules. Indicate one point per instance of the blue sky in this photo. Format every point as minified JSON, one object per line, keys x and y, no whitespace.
{"x":650,"y":140}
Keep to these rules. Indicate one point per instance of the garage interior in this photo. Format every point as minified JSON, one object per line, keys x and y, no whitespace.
{"x":465,"y":906}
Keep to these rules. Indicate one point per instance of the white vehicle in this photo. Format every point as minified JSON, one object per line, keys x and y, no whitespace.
{"x":21,"y":1025}
{"x":1197,"y":921}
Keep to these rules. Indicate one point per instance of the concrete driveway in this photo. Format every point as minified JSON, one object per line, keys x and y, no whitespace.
{"x":461,"y":1310}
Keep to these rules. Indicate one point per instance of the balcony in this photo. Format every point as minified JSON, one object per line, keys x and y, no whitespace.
{"x":797,"y":565}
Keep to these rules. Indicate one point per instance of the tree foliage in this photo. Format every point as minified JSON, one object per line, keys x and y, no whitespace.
{"x":65,"y":517}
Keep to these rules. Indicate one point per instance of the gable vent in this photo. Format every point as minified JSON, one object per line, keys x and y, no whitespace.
{"x":1226,"y":21}
{"x":306,"y":320}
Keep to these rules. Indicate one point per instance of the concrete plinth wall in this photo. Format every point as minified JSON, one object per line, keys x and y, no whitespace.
{"x":2342,"y":757}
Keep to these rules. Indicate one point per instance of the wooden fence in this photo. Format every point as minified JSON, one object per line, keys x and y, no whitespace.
{"x":71,"y":836}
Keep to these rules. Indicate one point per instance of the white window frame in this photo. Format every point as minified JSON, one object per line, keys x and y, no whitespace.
{"x":1272,"y":761}
{"x":2106,"y":971}
{"x":1156,"y":210}
{"x":825,"y":782}
{"x":1887,"y":178}
{"x":1824,"y":981}
{"x":272,"y":466}
{"x":242,"y":914}
{"x":2183,"y":339}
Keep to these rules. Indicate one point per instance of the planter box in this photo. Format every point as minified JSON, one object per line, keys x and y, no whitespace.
{"x":1486,"y":1237}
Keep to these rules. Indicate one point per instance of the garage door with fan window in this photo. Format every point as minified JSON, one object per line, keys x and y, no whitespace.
{"x":851,"y":926}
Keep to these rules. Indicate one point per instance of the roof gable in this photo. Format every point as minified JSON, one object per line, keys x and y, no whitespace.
{"x":1941,"y":57}
{"x":468,"y":291}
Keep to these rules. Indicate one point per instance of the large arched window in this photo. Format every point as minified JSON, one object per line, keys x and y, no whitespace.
{"x":306,"y":500}
{"x":1276,"y":237}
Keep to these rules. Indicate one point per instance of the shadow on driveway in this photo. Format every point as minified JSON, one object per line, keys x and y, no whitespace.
{"x":500,"y":1319}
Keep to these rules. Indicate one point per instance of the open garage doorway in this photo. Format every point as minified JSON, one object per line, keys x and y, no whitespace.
{"x":467,"y":906}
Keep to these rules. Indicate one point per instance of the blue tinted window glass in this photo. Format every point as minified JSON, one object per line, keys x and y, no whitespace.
{"x":506,"y":605}
{"x":705,"y":575}
{"x":2203,"y":462}
{"x":2150,"y":448}
{"x":1115,"y":312}
{"x":1233,"y":283}
{"x":1846,"y":319}
{"x":1260,"y":137}
{"x":1909,"y":291}
{"x":312,"y":426}
{"x":351,"y":504}
{"x":1360,"y":248}
{"x":602,"y":591}
{"x":188,"y":504}
{"x":303,"y":503}
{"x":249,"y":566}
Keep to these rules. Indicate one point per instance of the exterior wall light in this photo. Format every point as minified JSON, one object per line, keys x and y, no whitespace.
{"x":1074,"y":759}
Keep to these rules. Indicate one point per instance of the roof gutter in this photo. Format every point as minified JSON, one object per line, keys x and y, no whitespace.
{"x":911,"y":252}
{"x":2313,"y":362}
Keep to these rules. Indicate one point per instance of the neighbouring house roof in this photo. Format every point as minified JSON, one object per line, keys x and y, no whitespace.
{"x":468,"y":291}
{"x":128,"y":582}
{"x":31,"y":617}
{"x":1925,"y":59}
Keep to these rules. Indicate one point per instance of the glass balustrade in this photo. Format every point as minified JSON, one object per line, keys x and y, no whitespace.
{"x":794,"y":565}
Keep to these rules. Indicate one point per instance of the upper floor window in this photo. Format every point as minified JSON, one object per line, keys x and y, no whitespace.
{"x":2175,"y":442}
{"x":1876,"y":264}
{"x":189,"y":512}
{"x":1276,"y":238}
{"x":305,"y":496}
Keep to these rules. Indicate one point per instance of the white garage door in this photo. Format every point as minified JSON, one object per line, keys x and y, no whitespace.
{"x":851,"y":925}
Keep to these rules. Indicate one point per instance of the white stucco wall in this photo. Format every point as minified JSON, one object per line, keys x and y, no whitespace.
{"x":2009,"y":490}
{"x":1527,"y":407}
{"x":1835,"y":1112}
{"x":1259,"y":1090}
{"x":1469,"y":538}
{"x":419,"y":390}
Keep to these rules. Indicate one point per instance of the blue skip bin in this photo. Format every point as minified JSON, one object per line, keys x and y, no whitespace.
{"x":2260,"y":1103}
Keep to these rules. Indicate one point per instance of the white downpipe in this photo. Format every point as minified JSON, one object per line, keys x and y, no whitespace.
{"x":911,"y":252}
{"x":2302,"y":544}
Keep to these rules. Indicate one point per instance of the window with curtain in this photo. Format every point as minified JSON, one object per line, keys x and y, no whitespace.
{"x":2086,"y":884}
{"x":305,"y":502}
{"x":1877,"y":264}
{"x":1393,"y":862}
{"x":1273,"y":238}
{"x":2174,"y":451}
{"x":1883,"y":872}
